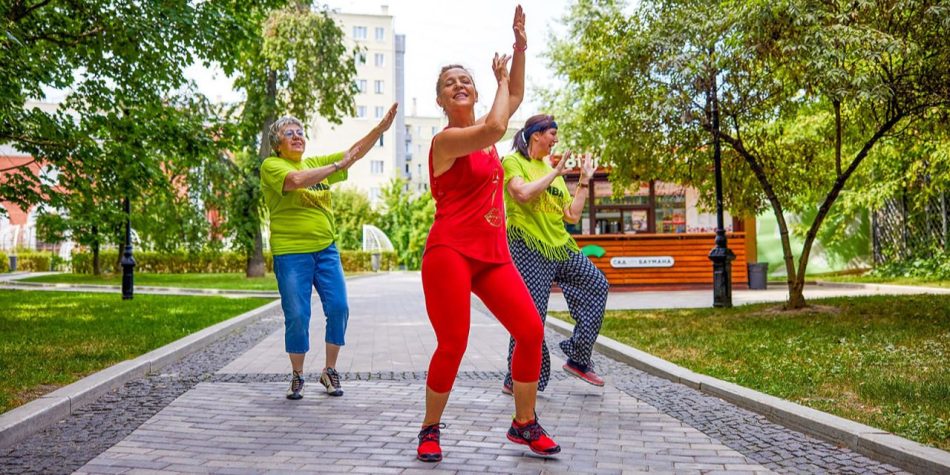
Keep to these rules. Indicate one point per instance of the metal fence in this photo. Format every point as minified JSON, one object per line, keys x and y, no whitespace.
{"x":906,"y":227}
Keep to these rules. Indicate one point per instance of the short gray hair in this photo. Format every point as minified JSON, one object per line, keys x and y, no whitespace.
{"x":273,"y":135}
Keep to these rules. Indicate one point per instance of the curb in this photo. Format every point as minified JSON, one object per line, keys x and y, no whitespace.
{"x":143,"y":288}
{"x":875,"y":443}
{"x":21,"y":422}
{"x":881,"y":287}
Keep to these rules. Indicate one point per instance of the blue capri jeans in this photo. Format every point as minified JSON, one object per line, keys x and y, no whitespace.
{"x":296,"y":275}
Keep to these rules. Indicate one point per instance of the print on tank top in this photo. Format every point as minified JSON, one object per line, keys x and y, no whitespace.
{"x":493,"y":216}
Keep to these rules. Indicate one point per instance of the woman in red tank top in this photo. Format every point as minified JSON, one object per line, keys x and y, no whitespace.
{"x":467,"y":248}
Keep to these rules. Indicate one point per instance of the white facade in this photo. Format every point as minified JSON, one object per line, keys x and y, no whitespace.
{"x":419,"y":133}
{"x":380,"y":78}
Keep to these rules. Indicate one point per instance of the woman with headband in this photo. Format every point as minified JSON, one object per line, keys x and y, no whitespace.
{"x":537,"y":204}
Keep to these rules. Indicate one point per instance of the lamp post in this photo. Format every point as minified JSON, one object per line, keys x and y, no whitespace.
{"x":128,"y":263}
{"x":721,"y":256}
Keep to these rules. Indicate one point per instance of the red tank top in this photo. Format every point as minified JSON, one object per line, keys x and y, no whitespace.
{"x":469,"y":207}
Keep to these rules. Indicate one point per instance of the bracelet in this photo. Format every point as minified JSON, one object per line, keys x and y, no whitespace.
{"x":583,"y":185}
{"x":516,"y":48}
{"x":336,"y":166}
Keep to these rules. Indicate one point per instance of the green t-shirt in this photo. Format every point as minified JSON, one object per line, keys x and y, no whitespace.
{"x":301,"y":221}
{"x":540,"y":222}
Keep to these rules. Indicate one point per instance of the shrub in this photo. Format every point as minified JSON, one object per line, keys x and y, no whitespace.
{"x":182,"y":262}
{"x":4,"y":263}
{"x":34,"y":261}
{"x":929,"y":266}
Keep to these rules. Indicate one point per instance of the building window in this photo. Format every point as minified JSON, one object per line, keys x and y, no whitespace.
{"x":376,"y":167}
{"x":380,"y":33}
{"x":379,"y":86}
{"x":360,"y":58}
{"x":374,"y":194}
{"x":379,"y":112}
{"x":434,"y":130}
{"x":381,"y":139}
{"x":361,"y":85}
{"x":359,"y":32}
{"x":361,"y":112}
{"x":379,"y":60}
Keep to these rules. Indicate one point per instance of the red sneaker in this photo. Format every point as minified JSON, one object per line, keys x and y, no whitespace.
{"x":429,"y":449}
{"x":586,"y":374}
{"x":535,"y":437}
{"x":506,"y":389}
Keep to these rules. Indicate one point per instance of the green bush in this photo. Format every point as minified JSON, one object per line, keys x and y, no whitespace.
{"x":183,"y":262}
{"x":33,"y":261}
{"x":928,"y":266}
{"x":4,"y":263}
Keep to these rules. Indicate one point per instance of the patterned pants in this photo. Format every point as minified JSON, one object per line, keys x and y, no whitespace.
{"x":585,"y":289}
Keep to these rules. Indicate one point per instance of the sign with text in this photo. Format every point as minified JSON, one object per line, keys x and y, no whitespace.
{"x":641,"y":261}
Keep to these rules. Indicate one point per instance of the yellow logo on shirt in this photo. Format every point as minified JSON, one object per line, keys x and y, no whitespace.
{"x":316,"y":196}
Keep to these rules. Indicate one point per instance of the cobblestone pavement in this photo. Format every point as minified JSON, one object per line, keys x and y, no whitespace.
{"x":91,"y":430}
{"x":231,"y":416}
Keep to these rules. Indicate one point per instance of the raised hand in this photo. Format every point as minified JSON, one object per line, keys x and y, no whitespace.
{"x":587,"y":167}
{"x":499,"y":66}
{"x":388,"y":118}
{"x":521,"y":38}
{"x":561,"y":167}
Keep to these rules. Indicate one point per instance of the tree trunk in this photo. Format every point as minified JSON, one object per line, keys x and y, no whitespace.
{"x":96,"y":267}
{"x":796,"y":293}
{"x":255,"y":260}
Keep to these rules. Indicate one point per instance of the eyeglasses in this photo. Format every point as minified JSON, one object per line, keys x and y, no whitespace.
{"x":289,"y":133}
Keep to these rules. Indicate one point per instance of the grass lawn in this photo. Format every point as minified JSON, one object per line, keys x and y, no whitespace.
{"x":229,"y":281}
{"x":50,"y":339}
{"x":883,"y":361}
{"x":864,"y":279}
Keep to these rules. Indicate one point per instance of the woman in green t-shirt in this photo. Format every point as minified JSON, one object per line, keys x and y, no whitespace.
{"x":537,"y":204}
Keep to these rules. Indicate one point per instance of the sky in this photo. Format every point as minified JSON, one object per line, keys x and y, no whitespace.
{"x":438,"y":33}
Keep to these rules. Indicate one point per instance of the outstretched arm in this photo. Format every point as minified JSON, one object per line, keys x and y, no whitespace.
{"x":516,"y":84}
{"x":366,"y":143}
{"x":524,"y":192}
{"x":574,"y":211}
{"x":308,"y":177}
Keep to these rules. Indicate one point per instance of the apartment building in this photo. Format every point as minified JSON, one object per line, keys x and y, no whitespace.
{"x":380,"y":78}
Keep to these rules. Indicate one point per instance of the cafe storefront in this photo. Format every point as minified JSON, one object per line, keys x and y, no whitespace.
{"x":655,"y":235}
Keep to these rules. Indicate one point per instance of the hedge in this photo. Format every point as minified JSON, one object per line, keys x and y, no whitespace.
{"x":29,"y":261}
{"x":4,"y":263}
{"x":181,"y":262}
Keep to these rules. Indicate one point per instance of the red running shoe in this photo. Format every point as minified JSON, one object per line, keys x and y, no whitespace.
{"x":535,"y":437}
{"x":429,"y":449}
{"x":586,"y":374}
{"x":506,"y":389}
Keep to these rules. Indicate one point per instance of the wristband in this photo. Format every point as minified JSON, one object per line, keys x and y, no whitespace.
{"x":336,"y":166}
{"x":583,"y":184}
{"x":516,"y":48}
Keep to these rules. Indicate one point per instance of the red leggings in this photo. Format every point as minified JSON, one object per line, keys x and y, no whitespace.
{"x":448,"y":279}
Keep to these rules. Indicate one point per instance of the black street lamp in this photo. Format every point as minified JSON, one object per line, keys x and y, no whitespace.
{"x":721,"y":256}
{"x":128,"y":263}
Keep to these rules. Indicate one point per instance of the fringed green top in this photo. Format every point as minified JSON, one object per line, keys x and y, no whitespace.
{"x":540,"y":222}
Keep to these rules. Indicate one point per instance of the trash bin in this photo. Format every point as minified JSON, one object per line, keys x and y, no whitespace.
{"x":374,"y":259}
{"x":758,"y":275}
{"x":13,"y":263}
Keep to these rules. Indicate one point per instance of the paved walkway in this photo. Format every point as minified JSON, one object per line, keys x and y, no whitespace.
{"x":235,"y":419}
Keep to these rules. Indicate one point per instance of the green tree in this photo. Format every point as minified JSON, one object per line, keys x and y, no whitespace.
{"x":129,"y":116}
{"x":406,"y":219}
{"x":806,"y":90}
{"x":298,"y":64}
{"x":351,"y":210}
